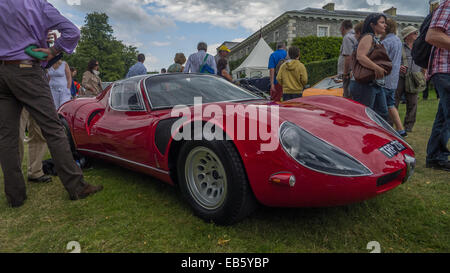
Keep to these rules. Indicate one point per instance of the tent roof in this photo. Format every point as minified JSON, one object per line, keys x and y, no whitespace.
{"x":258,"y":58}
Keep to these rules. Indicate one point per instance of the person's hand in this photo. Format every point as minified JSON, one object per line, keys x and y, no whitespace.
{"x":272,"y":88}
{"x":403,"y":69}
{"x":51,"y":53}
{"x":379,"y":72}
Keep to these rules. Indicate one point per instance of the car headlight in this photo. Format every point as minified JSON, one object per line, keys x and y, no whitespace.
{"x":318,"y":155}
{"x":381,"y":122}
{"x":384,"y":124}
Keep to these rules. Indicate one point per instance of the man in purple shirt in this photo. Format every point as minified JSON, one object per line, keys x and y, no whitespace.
{"x":22,"y":84}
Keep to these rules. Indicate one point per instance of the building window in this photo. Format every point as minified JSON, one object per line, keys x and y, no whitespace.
{"x":323,"y":31}
{"x":276,"y":36}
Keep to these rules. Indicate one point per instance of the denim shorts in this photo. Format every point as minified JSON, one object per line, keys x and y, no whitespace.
{"x":390,"y":97}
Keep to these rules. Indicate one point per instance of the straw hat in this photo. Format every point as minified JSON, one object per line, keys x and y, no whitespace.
{"x":407,"y":31}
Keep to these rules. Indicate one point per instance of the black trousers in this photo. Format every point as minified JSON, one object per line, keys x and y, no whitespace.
{"x":25,"y":86}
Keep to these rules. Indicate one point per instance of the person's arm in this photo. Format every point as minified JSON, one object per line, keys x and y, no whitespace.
{"x":212,"y":63}
{"x":272,"y":67}
{"x":187,"y":66}
{"x":68,"y":76}
{"x":303,"y":75}
{"x":280,"y":75}
{"x":226,"y":75}
{"x":347,"y":50}
{"x":438,"y":38}
{"x":70,"y":34}
{"x":361,"y":54}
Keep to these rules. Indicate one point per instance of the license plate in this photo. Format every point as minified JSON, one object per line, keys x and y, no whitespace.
{"x":392,"y":149}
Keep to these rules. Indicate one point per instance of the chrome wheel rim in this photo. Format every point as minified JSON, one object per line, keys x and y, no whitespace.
{"x":206,"y":178}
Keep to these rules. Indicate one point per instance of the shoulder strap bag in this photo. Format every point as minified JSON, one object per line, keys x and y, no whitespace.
{"x":379,"y":56}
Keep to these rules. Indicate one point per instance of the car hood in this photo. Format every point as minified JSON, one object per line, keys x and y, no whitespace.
{"x":342,"y":123}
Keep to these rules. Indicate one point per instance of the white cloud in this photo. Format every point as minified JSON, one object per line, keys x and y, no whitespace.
{"x":160,"y":44}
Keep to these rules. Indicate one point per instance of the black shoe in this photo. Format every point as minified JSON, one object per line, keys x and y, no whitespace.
{"x":402,"y":133}
{"x":42,"y":179}
{"x":408,"y":130}
{"x":88,"y":190}
{"x":444,"y":166}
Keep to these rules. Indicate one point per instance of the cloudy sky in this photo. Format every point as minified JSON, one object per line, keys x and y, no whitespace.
{"x":161,"y":28}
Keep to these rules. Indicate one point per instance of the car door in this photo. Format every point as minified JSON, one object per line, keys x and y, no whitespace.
{"x":124,"y":128}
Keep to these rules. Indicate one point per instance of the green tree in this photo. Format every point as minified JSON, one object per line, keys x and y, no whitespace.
{"x":98,"y":42}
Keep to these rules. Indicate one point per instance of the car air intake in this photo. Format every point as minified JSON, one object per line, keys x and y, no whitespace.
{"x":388,"y":178}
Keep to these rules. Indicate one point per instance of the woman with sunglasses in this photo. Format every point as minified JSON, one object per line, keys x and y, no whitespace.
{"x":91,"y":80}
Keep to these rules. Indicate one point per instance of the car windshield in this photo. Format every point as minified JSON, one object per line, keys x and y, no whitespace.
{"x":169,"y":90}
{"x":329,"y":83}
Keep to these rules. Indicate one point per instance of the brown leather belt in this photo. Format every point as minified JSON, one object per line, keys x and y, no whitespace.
{"x":16,"y":62}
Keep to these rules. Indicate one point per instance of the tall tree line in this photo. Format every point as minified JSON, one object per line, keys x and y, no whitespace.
{"x":98,"y":42}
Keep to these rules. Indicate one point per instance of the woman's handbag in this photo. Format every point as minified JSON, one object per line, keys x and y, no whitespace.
{"x":379,"y":56}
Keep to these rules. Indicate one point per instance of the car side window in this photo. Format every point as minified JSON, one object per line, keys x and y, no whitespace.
{"x":125,"y":97}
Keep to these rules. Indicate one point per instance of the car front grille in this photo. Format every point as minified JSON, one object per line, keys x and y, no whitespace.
{"x":388,"y":178}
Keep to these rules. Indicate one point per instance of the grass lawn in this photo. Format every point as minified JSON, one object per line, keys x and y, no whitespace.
{"x":136,"y":213}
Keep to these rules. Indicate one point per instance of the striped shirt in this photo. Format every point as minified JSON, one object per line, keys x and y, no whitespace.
{"x":196,"y":60}
{"x":441,"y":20}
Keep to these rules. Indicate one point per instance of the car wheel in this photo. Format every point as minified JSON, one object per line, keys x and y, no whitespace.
{"x":69,"y":136}
{"x":213,"y":181}
{"x":81,"y":160}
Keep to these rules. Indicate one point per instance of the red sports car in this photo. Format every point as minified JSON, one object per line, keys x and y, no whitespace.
{"x":236,"y":149}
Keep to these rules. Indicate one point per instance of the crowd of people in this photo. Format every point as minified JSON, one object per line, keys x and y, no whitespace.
{"x":30,"y":96}
{"x":405,"y":79}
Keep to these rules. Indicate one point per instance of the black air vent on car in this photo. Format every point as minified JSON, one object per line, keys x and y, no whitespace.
{"x":163,"y":133}
{"x":388,"y":178}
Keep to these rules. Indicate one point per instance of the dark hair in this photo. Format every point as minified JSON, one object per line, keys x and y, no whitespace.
{"x":281,"y":46}
{"x":347,"y":24}
{"x":141,"y":57}
{"x":221,"y":65}
{"x":391,"y":26}
{"x":371,"y":19}
{"x":358,"y":27}
{"x":72,"y":69}
{"x":294,"y":52}
{"x":163,"y":70}
{"x":202,"y":46}
{"x":92,"y":63}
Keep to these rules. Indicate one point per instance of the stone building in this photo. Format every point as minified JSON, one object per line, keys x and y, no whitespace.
{"x":312,"y":21}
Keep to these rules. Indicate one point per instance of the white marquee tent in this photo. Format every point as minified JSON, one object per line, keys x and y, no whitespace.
{"x":255,"y":65}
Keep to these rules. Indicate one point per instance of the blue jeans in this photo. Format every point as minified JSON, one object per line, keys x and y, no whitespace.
{"x":371,"y":95}
{"x":437,"y":145}
{"x":291,"y":96}
{"x":390,"y":97}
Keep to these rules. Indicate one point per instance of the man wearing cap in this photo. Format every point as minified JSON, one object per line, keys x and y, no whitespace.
{"x":438,"y":35}
{"x":223,"y":53}
{"x":409,"y":35}
{"x":22,"y":85}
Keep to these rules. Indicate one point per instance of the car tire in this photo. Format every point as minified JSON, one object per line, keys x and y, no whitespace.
{"x":81,"y":160}
{"x":213,"y":181}
{"x":69,"y":136}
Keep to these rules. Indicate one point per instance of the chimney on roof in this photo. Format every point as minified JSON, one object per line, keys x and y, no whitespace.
{"x":392,"y":11}
{"x":329,"y":7}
